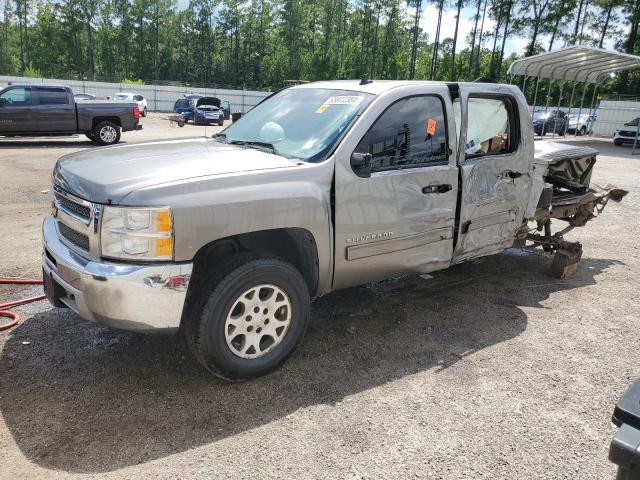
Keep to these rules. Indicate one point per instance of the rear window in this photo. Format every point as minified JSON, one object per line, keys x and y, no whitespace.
{"x":52,"y":96}
{"x":121,"y":97}
{"x":182,"y":103}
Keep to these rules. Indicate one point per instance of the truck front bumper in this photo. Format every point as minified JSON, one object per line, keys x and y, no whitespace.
{"x":148,"y":297}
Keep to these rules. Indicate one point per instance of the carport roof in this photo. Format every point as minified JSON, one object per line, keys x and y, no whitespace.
{"x":578,"y":64}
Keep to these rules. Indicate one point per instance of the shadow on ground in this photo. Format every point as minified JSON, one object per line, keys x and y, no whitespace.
{"x":83,"y":398}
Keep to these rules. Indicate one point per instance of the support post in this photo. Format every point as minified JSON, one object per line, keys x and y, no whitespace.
{"x":584,"y":91}
{"x":591,"y":108}
{"x":546,"y":107}
{"x":573,"y":90}
{"x":557,"y":110}
{"x":535,"y":97}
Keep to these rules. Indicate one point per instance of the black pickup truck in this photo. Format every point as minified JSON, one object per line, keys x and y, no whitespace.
{"x":39,"y":110}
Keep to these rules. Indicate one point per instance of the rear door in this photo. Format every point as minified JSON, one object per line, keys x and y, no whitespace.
{"x":16,"y":111}
{"x":399,"y":218}
{"x":495,"y":155}
{"x":55,"y":110}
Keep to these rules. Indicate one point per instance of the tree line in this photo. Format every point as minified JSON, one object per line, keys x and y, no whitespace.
{"x":265,"y":43}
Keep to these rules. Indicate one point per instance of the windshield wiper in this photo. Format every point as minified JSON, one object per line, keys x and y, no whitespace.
{"x":255,"y":143}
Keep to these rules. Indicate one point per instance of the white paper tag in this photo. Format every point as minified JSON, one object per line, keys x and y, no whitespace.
{"x":344,"y":100}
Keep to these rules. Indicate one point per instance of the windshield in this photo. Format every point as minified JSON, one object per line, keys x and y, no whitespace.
{"x":633,"y":123}
{"x":301,"y":123}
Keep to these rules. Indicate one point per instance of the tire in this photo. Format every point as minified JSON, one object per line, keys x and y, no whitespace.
{"x":617,"y":143}
{"x":563,"y":132}
{"x":221,"y":123}
{"x":181,"y":124}
{"x":90,"y":136}
{"x":583,"y":131}
{"x":224,"y":298}
{"x":106,"y":133}
{"x":144,"y":112}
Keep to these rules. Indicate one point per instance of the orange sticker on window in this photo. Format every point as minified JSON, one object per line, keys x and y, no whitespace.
{"x":431,"y":127}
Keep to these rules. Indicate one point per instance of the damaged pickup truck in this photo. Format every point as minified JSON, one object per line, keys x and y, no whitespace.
{"x":320,"y":187}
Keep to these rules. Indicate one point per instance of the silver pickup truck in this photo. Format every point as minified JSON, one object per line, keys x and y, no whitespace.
{"x":320,"y":187}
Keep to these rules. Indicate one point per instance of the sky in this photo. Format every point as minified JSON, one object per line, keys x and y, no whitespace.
{"x":514,"y":43}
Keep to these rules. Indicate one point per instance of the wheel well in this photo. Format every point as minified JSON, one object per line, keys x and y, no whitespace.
{"x":294,"y":245}
{"x":98,"y":120}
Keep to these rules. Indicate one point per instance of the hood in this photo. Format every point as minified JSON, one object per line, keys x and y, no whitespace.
{"x":208,"y":101}
{"x":107,"y":175}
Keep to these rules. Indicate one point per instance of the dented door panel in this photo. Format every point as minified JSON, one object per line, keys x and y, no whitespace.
{"x":398,"y":221}
{"x":495,"y":187}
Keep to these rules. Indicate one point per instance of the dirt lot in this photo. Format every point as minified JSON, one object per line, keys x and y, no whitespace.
{"x":490,"y":370}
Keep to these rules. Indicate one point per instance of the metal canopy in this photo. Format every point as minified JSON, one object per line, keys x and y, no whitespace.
{"x":577,"y":64}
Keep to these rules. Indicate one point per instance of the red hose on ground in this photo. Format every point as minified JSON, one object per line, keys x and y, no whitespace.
{"x":15,"y":318}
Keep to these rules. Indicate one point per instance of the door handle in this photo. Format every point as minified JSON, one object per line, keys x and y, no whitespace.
{"x":442,"y":188}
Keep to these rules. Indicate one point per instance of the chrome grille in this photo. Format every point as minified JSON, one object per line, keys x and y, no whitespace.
{"x":78,"y":239}
{"x":72,"y":207}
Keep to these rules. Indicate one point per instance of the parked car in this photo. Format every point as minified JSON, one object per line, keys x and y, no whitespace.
{"x":627,"y":134}
{"x":83,"y":96}
{"x":551,"y":121}
{"x":186,"y":109}
{"x":37,"y":110}
{"x":625,"y":446}
{"x":133,"y":97}
{"x":207,"y":111}
{"x":582,"y":124}
{"x":320,"y":187}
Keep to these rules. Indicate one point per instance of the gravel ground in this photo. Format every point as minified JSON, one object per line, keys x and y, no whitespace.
{"x":490,"y":369}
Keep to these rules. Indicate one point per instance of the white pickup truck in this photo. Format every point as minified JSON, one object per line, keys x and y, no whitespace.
{"x":320,"y":187}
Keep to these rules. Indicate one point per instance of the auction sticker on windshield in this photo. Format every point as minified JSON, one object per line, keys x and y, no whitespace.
{"x":340,"y":100}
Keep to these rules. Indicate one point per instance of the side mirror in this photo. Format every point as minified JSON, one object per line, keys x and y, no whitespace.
{"x":361,"y":164}
{"x":3,"y":102}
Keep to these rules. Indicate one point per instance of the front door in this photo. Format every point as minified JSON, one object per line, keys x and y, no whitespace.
{"x":16,"y":111}
{"x":397,"y":215}
{"x":495,"y":156}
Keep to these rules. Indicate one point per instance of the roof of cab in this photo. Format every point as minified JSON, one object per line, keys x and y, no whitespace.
{"x":377,"y":87}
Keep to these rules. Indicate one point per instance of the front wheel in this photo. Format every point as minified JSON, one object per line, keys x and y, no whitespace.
{"x":221,"y":122}
{"x":248,"y":316}
{"x":583,"y":131}
{"x":106,"y":133}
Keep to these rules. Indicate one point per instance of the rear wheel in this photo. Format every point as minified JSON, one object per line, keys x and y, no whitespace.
{"x":583,"y":131}
{"x":106,"y":133}
{"x":247,"y":316}
{"x":144,"y":112}
{"x":221,"y":122}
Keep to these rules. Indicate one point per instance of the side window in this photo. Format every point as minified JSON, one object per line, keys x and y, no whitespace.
{"x":410,"y":133}
{"x":491,"y":127}
{"x":17,"y":97}
{"x":52,"y":96}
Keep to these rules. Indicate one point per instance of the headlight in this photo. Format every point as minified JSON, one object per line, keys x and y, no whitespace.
{"x":137,"y":233}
